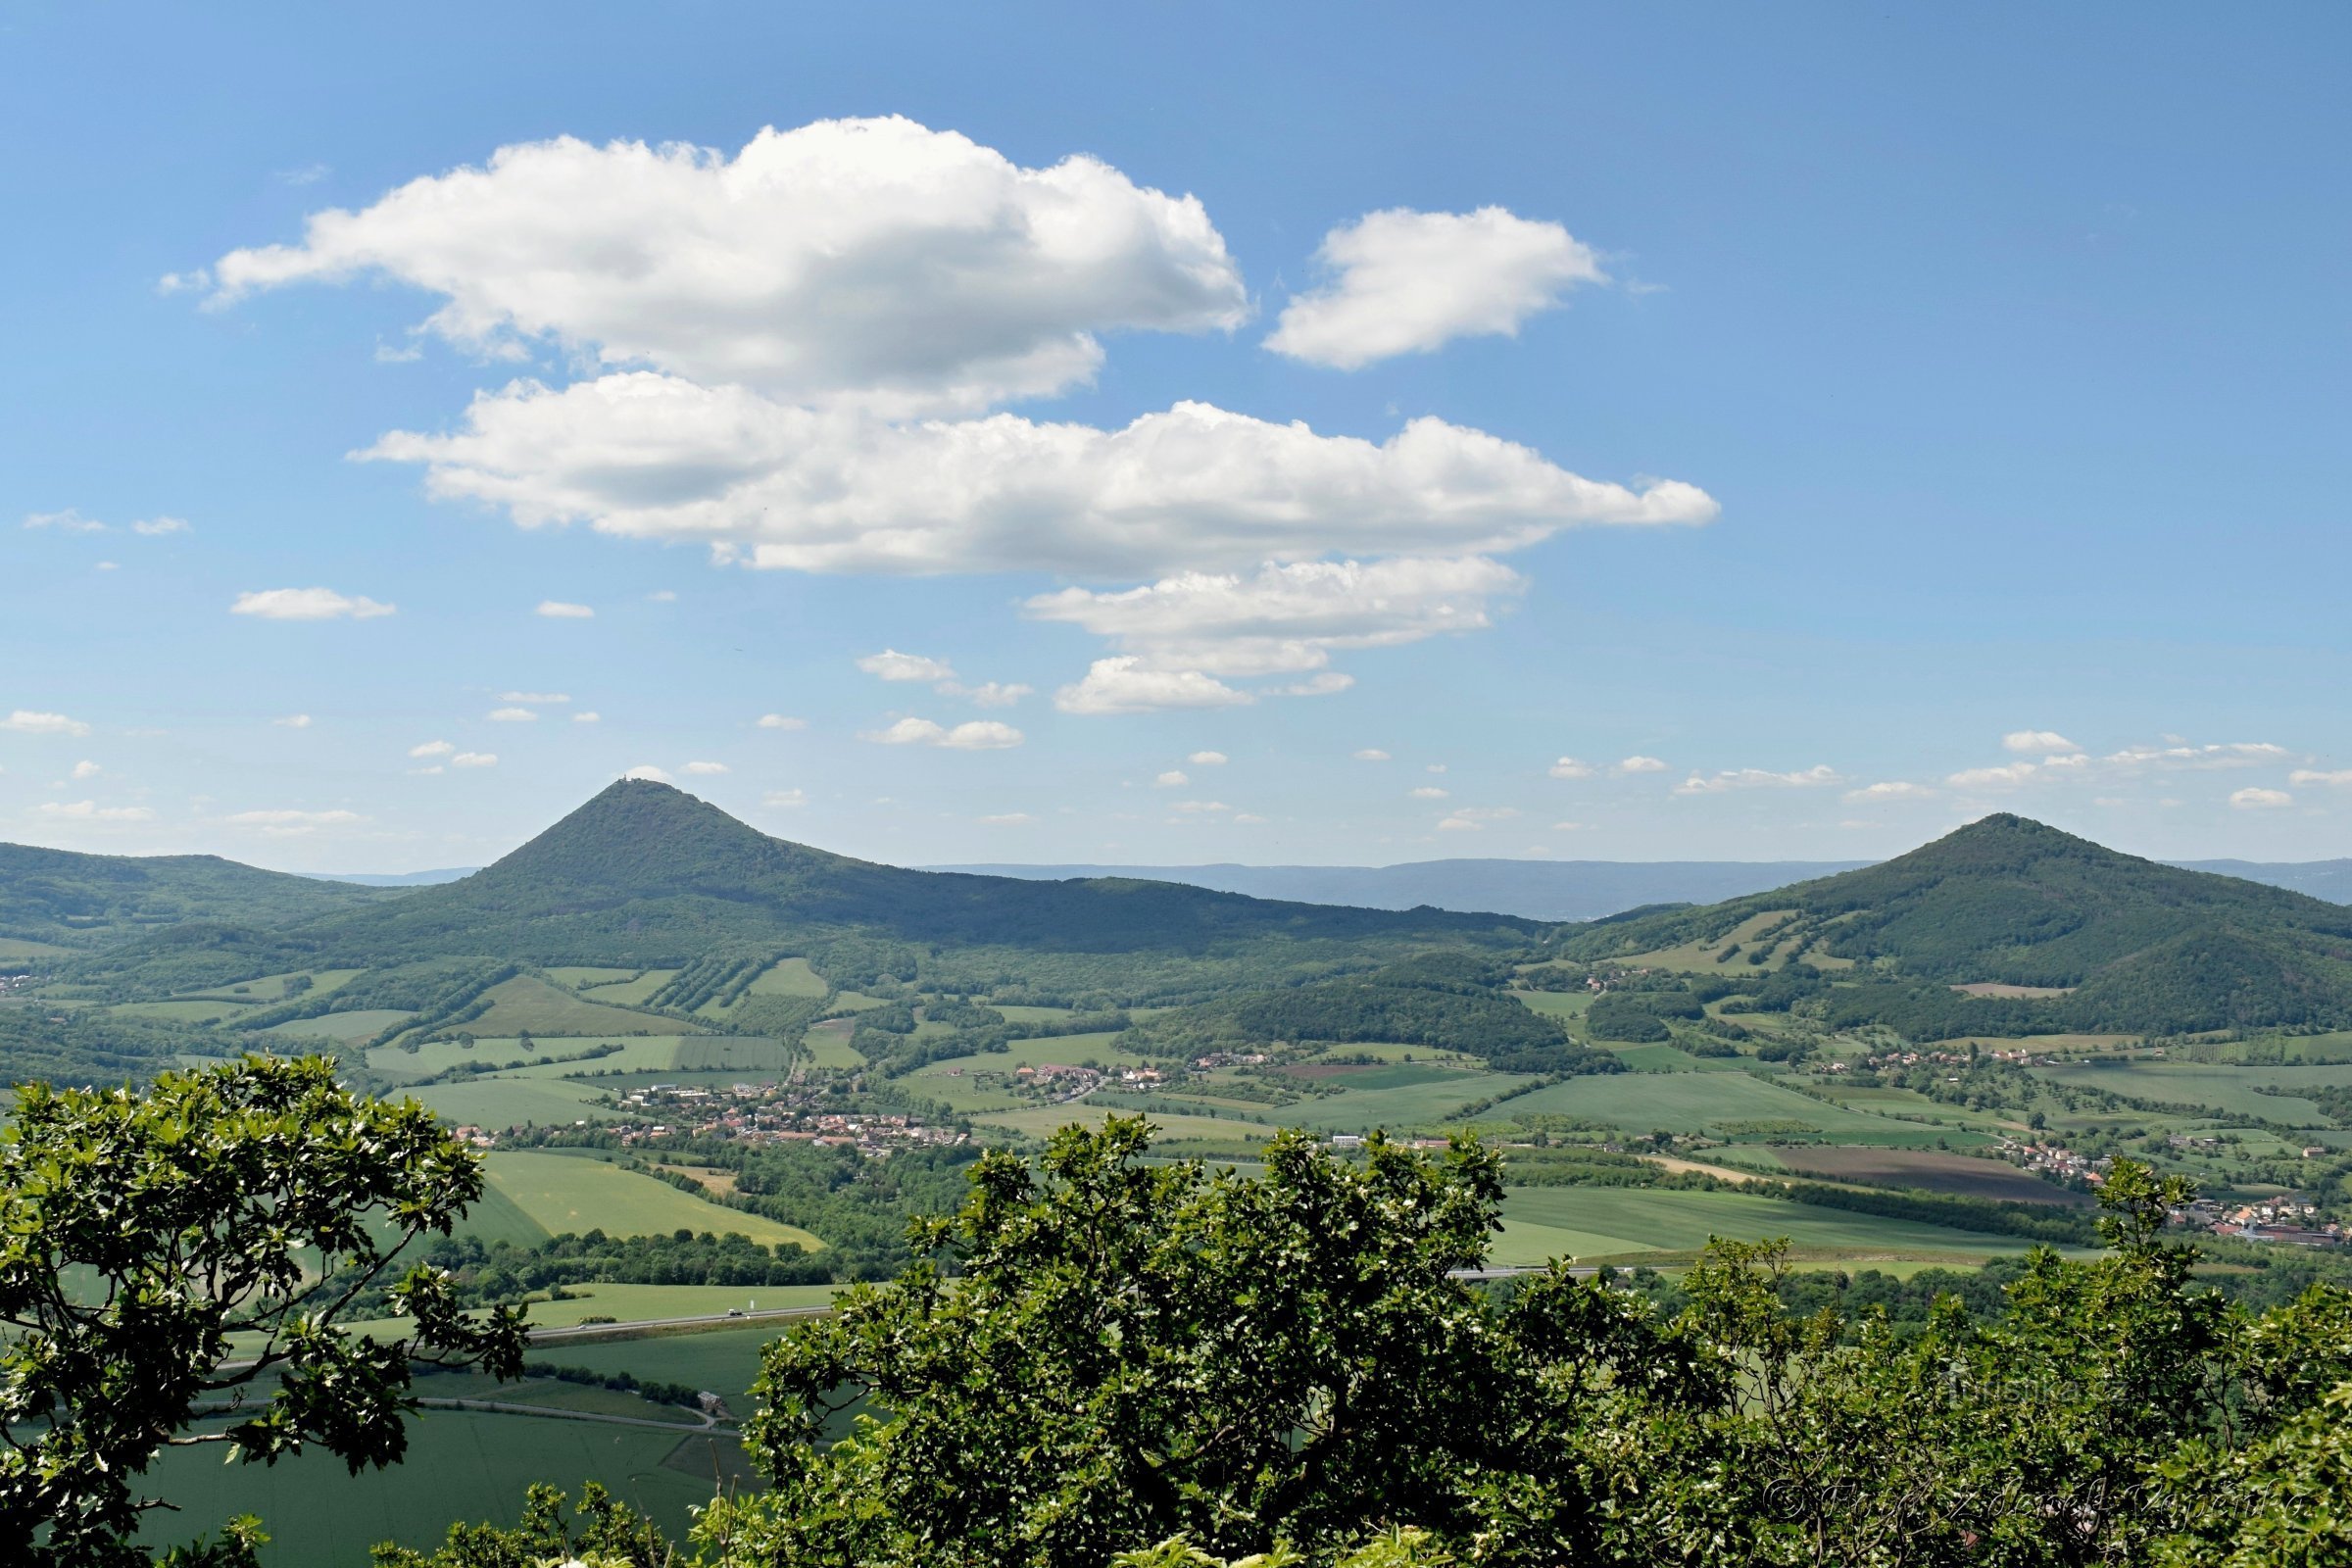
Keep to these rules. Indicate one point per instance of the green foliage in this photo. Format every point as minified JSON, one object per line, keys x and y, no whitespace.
{"x":185,"y":1215}
{"x":1203,"y":1354}
{"x":1106,"y":1361}
{"x":88,"y":1047}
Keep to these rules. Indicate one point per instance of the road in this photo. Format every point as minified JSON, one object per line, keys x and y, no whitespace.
{"x":592,"y":1331}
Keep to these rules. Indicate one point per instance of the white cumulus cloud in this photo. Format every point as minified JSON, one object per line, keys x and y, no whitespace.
{"x":1409,"y":282}
{"x":891,"y":665}
{"x":1173,"y":778}
{"x":978,"y":735}
{"x":513,"y":716}
{"x":1754,"y":778}
{"x":870,"y":259}
{"x":587,"y":717}
{"x":781,"y":721}
{"x":92,"y":811}
{"x":2182,"y":755}
{"x":433,"y":749}
{"x":785,"y":800}
{"x":1427,"y":792}
{"x":648,"y":772}
{"x":1640,"y":764}
{"x":1370,"y":754}
{"x":1890,"y":789}
{"x":1286,"y":618}
{"x":706,"y":768}
{"x":2037,"y":739}
{"x":1978,"y":778}
{"x":69,"y":521}
{"x":1122,"y":685}
{"x":1208,"y":758}
{"x":2259,"y":800}
{"x":156,"y":527}
{"x":24,"y":721}
{"x":1570,"y":767}
{"x":1474,"y":818}
{"x":86,"y":768}
{"x":557,"y":610}
{"x":2339,"y":777}
{"x":307,"y":604}
{"x":1192,"y":489}
{"x":1008,"y":819}
{"x":287,"y":822}
{"x":556,"y":699}
{"x":475,"y":760}
{"x":293,"y":721}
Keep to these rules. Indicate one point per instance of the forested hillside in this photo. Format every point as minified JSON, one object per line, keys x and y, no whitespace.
{"x":69,"y":899}
{"x":2108,"y":941}
{"x":644,"y":875}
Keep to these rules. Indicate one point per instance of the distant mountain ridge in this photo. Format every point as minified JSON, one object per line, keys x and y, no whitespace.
{"x":1570,"y":890}
{"x":69,"y":899}
{"x":644,"y":876}
{"x":2116,"y":942}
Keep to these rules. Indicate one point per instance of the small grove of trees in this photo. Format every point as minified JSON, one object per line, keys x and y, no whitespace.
{"x":1101,"y":1359}
{"x":140,"y":1231}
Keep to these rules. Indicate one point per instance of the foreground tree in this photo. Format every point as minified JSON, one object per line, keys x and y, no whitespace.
{"x":140,"y":1231}
{"x":1103,"y":1354}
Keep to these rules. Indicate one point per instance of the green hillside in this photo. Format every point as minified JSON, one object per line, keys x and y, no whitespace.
{"x":69,"y":899}
{"x":644,"y":876}
{"x":2105,"y":941}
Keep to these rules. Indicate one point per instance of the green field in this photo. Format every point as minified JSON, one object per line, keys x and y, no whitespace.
{"x":528,"y":1005}
{"x":1706,"y":1101}
{"x":580,"y":976}
{"x":501,"y":1102}
{"x":1565,"y":1005}
{"x":651,"y":1052}
{"x":636,"y":1303}
{"x":459,"y":1465}
{"x":1038,"y":1121}
{"x":348,"y":1027}
{"x":273,"y":987}
{"x":789,"y":977}
{"x":180,"y":1010}
{"x":1541,"y":1223}
{"x":2225,"y":1091}
{"x":571,"y":1193}
{"x":629,"y":993}
{"x":828,"y":1045}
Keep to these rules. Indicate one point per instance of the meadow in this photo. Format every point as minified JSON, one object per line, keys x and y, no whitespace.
{"x":1541,"y":1223}
{"x":2227,"y":1090}
{"x":576,"y":1191}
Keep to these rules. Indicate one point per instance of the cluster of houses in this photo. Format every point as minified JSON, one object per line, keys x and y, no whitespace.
{"x":774,"y":1113}
{"x":1229,"y":1059}
{"x":2288,"y":1218}
{"x":2059,"y":1162}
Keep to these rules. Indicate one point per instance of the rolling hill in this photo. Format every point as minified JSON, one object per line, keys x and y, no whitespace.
{"x":644,"y":875}
{"x":1539,"y":889}
{"x":2113,"y":942}
{"x":64,"y":898}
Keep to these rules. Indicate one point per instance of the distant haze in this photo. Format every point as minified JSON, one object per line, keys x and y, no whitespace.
{"x":1571,"y":890}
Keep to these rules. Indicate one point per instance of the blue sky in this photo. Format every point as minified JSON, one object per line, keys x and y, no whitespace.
{"x":1872,"y":421}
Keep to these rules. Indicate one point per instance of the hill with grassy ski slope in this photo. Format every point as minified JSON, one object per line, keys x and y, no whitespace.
{"x":2049,"y":931}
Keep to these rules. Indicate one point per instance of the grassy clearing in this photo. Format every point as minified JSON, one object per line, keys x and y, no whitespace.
{"x":581,"y":976}
{"x":1038,"y":1121}
{"x":349,"y":1028}
{"x":566,"y":1193}
{"x":439,"y":1055}
{"x":528,"y":1005}
{"x":501,"y":1102}
{"x":1430,"y":1102}
{"x":1719,"y":1103}
{"x":758,"y":1059}
{"x":1568,"y":1006}
{"x":1661,"y":1058}
{"x":848,"y":1001}
{"x":15,"y":950}
{"x":828,"y":1045}
{"x":178,"y":1011}
{"x":459,"y":1465}
{"x":630,"y":992}
{"x":2225,"y":1091}
{"x":1539,"y":1222}
{"x":1015,"y":1013}
{"x":1063,"y":1048}
{"x":790,"y":977}
{"x":636,"y":1303}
